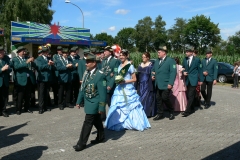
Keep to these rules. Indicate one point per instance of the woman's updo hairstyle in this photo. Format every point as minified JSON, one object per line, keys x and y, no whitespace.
{"x":125,"y":52}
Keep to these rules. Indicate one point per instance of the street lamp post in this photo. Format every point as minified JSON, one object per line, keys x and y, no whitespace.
{"x":68,"y":1}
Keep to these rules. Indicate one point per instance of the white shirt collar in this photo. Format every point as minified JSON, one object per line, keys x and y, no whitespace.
{"x":164,"y":58}
{"x":91,"y":72}
{"x":44,"y":57}
{"x":109,"y":58}
{"x":190,"y":57}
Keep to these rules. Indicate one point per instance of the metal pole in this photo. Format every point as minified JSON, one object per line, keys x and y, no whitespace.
{"x":80,"y":10}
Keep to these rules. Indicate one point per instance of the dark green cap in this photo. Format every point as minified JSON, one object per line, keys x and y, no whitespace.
{"x":92,"y":57}
{"x":65,"y":50}
{"x":162,"y":48}
{"x":44,"y":49}
{"x":20,"y":48}
{"x":108,"y":48}
{"x":208,"y":50}
{"x":189,"y":48}
{"x":39,"y":51}
{"x":93,"y":50}
{"x":73,"y":49}
{"x":1,"y":48}
{"x":86,"y":51}
{"x":59,"y":47}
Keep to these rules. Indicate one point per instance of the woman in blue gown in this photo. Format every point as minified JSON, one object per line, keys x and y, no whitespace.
{"x":126,"y":110}
{"x":145,"y":86}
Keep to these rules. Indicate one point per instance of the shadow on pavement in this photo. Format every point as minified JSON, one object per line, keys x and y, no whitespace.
{"x":231,"y":152}
{"x":32,"y":153}
{"x":7,"y":140}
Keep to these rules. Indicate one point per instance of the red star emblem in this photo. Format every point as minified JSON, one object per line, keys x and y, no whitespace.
{"x":54,"y":29}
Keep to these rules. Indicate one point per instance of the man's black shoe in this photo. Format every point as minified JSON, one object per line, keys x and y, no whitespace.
{"x":29,"y":111}
{"x":40,"y":112}
{"x":5,"y":114}
{"x":61,"y":108}
{"x":171,"y":117}
{"x":185,"y":114}
{"x":206,"y":106}
{"x":158,"y":117}
{"x":18,"y":112}
{"x":79,"y":148}
{"x":96,"y":141}
{"x":70,"y":105}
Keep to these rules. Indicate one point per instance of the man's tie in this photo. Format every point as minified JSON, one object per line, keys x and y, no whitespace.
{"x":160,"y":61}
{"x":207,"y":61}
{"x":188,"y":62}
{"x":1,"y":62}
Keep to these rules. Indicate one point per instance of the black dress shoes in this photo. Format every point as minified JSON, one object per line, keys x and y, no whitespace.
{"x":61,"y":108}
{"x":69,"y":105}
{"x":18,"y":112}
{"x":40,"y":112}
{"x":5,"y":114}
{"x":79,"y":148}
{"x":206,"y":106}
{"x":96,"y":141}
{"x":158,"y":117}
{"x":185,"y":114}
{"x":28,"y":111}
{"x":171,"y":117}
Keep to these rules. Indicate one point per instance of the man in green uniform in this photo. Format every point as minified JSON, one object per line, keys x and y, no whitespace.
{"x":4,"y":81}
{"x":45,"y":69}
{"x":23,"y":81}
{"x":93,"y":93}
{"x":64,"y":67}
{"x":82,"y":64}
{"x":75,"y":78}
{"x":164,"y":73}
{"x":193,"y":74}
{"x":210,"y":72}
{"x":110,"y":69}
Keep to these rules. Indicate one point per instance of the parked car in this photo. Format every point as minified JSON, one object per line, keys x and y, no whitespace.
{"x":225,"y":71}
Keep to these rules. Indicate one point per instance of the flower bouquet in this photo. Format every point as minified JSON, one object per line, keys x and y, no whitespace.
{"x":119,"y":79}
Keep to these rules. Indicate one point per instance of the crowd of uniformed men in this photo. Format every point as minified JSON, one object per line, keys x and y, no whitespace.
{"x":62,"y":72}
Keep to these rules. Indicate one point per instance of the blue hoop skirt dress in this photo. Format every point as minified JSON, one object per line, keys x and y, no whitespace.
{"x":126,"y":113}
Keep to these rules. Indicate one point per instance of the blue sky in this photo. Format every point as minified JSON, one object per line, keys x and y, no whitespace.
{"x":111,"y":16}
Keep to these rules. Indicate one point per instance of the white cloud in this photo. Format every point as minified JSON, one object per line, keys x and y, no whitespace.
{"x":121,"y":11}
{"x":113,"y":28}
{"x":226,"y":32}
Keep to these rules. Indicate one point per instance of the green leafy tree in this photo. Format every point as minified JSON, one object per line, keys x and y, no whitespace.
{"x":30,"y":10}
{"x":159,"y":32}
{"x":176,"y":35}
{"x":200,"y":32}
{"x":235,"y":42}
{"x":144,"y":33}
{"x":125,"y":38}
{"x":105,"y":37}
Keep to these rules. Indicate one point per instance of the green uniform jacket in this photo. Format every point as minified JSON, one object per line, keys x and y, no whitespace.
{"x":55,"y":58}
{"x":4,"y":75}
{"x":81,"y":68}
{"x":44,"y":70}
{"x":211,"y":68}
{"x":195,"y":73}
{"x":22,"y":69}
{"x":75,"y":69}
{"x":165,"y":73}
{"x":93,"y":93}
{"x":65,"y":74}
{"x":110,"y":67}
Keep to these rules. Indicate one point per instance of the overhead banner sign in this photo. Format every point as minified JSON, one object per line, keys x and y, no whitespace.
{"x":31,"y":32}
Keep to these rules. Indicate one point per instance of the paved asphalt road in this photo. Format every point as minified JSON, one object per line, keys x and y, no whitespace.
{"x":208,"y":134}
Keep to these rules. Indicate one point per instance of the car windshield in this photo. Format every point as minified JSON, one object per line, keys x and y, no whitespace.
{"x":229,"y":65}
